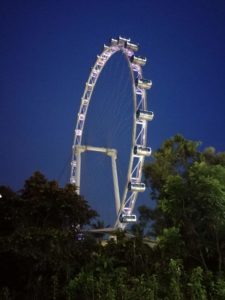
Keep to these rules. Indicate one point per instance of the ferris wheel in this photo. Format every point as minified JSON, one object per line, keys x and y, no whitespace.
{"x":124,"y":204}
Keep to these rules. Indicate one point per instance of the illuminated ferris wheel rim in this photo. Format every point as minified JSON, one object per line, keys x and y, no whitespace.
{"x":141,"y":116}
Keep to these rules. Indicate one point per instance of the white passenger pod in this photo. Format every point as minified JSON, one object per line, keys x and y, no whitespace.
{"x":144,"y":115}
{"x":106,"y":47}
{"x":72,"y":180}
{"x":132,"y":46}
{"x":73,"y":163}
{"x":138,"y":60}
{"x":122,"y":41}
{"x":89,"y":86}
{"x":142,"y":151}
{"x":124,"y":218}
{"x":114,"y":42}
{"x":136,"y":187}
{"x":84,"y":101}
{"x":144,"y":84}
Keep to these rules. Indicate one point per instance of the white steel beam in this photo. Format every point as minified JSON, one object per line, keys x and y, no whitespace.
{"x":108,"y":151}
{"x":78,"y":161}
{"x":115,"y":183}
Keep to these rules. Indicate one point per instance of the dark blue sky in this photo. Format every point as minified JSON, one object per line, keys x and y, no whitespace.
{"x":48,"y":47}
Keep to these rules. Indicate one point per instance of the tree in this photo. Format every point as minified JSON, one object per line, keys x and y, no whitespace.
{"x":37,"y":237}
{"x":188,"y":187}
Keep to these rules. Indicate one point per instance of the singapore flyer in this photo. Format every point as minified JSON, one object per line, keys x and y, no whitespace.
{"x":124,"y":196}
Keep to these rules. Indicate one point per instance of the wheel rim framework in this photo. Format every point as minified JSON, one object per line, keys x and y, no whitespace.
{"x":139,"y":131}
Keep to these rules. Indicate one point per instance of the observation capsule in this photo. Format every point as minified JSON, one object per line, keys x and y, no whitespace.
{"x":124,"y":218}
{"x":114,"y":42}
{"x":81,"y":117}
{"x":89,"y":86}
{"x":132,"y":46}
{"x":105,"y":47}
{"x":73,"y":163}
{"x":136,"y":187}
{"x":144,"y":115}
{"x":72,"y":180}
{"x":78,"y":132}
{"x":142,"y":151}
{"x":138,"y":60}
{"x":144,"y":83}
{"x":84,"y":101}
{"x":122,"y":41}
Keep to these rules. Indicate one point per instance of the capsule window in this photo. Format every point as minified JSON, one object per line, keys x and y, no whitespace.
{"x":143,"y":83}
{"x":142,"y":151}
{"x":122,"y":41}
{"x":138,"y":60}
{"x":136,"y":187}
{"x":132,"y":46}
{"x":113,"y":42}
{"x":144,"y":115}
{"x":124,"y":218}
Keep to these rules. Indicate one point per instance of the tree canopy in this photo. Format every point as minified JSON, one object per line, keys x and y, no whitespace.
{"x":176,"y":252}
{"x":189,"y":189}
{"x":38,"y":236}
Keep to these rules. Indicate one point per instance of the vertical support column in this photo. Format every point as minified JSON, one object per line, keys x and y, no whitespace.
{"x":78,"y":168}
{"x":115,"y":182}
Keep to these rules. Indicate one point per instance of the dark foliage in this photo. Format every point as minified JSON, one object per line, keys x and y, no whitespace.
{"x":176,"y":252}
{"x":38,"y":249}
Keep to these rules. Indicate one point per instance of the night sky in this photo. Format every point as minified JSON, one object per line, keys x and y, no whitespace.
{"x":47,"y":49}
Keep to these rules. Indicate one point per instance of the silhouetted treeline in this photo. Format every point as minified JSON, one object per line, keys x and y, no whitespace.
{"x":44,"y":256}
